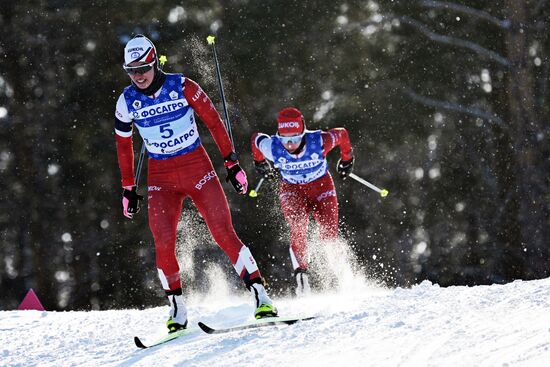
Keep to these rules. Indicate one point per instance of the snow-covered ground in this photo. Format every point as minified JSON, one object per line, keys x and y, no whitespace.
{"x":363,"y":325}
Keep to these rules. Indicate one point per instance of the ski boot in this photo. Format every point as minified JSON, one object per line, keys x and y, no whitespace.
{"x":264,"y":304}
{"x":177,"y":319}
{"x":302,"y":282}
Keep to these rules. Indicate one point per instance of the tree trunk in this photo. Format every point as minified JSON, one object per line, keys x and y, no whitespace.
{"x":529,"y":161}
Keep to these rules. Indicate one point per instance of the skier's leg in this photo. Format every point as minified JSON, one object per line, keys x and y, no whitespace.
{"x":335,"y":253}
{"x":325,"y":213}
{"x":325,"y":208}
{"x":164,"y":208}
{"x":296,"y":214}
{"x":211,"y":202}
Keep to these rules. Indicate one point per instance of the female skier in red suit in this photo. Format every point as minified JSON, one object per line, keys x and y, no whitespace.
{"x":162,"y":107}
{"x":306,"y":186}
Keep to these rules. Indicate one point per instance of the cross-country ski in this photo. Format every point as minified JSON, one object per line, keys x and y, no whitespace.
{"x":172,"y":336}
{"x":268,"y":321}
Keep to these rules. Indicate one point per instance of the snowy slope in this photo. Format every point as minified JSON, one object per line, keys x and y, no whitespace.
{"x":498,"y":325}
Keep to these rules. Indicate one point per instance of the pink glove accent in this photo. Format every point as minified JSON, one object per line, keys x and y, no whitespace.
{"x":240,"y":177}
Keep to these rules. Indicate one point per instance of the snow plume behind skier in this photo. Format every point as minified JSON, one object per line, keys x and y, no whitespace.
{"x":162,"y":107}
{"x":306,"y":188}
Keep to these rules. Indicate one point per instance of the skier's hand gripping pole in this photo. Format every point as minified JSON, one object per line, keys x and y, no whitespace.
{"x":264,"y":169}
{"x":237,"y":179}
{"x":130,"y":197}
{"x":383,"y":192}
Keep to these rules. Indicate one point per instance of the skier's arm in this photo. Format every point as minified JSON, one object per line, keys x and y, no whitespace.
{"x":204,"y":108}
{"x":337,"y":137}
{"x":124,"y":145}
{"x":261,"y":147}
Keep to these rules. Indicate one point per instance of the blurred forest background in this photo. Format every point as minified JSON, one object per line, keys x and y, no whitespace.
{"x":446,"y":103}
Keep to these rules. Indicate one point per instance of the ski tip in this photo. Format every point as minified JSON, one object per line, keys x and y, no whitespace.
{"x":138,"y":342}
{"x":207,"y":329}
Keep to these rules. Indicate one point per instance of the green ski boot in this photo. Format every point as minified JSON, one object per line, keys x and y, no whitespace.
{"x":177,"y":319}
{"x":174,"y":326}
{"x":265,"y":310}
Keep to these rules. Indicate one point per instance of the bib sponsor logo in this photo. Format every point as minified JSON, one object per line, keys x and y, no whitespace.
{"x":299,"y":181}
{"x":210,"y":175}
{"x":299,"y":165}
{"x":160,"y":109}
{"x":304,"y":179}
{"x":172,"y":142}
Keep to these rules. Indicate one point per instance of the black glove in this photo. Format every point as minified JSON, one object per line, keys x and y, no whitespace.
{"x":237,"y":177}
{"x":130,"y":201}
{"x":344,"y":168}
{"x":264,"y":169}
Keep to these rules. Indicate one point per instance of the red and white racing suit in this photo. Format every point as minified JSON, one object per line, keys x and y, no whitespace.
{"x":177,"y":176}
{"x":312,"y":193}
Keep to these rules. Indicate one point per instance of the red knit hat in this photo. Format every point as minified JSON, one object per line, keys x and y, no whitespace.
{"x":290,"y":121}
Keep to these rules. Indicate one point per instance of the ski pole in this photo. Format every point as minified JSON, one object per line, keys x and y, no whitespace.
{"x":254,"y":192}
{"x":162,"y":61}
{"x":140,"y":164}
{"x":383,"y":192}
{"x":211,"y":41}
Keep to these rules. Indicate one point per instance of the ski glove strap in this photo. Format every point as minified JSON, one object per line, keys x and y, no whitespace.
{"x":130,"y":201}
{"x":264,"y":169}
{"x":237,"y":177}
{"x":344,"y":168}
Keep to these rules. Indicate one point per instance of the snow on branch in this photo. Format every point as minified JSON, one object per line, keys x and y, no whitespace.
{"x":480,"y":50}
{"x":446,"y":105}
{"x":480,"y":14}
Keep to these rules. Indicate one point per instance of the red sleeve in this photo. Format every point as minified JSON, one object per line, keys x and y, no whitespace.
{"x":204,"y":108}
{"x":337,"y":137}
{"x":256,"y":153}
{"x":125,"y":153}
